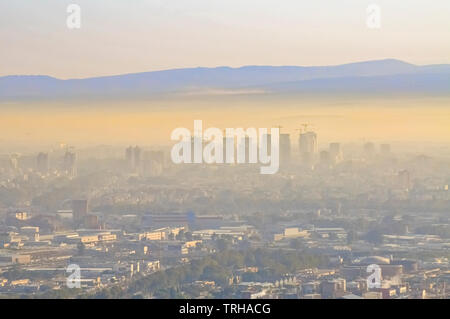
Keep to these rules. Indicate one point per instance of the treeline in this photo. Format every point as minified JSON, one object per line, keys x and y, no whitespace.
{"x":220,"y":267}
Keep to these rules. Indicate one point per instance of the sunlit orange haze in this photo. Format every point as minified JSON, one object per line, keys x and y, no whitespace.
{"x":150,"y":122}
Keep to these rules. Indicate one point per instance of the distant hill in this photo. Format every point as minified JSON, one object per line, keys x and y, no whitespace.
{"x":379,"y":76}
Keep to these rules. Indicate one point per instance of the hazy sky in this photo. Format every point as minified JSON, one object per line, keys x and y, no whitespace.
{"x":141,"y":35}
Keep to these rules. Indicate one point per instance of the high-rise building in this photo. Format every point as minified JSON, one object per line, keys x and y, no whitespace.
{"x":137,"y":157}
{"x":369,"y":150}
{"x":14,"y":161}
{"x":404,"y":180}
{"x":91,"y":221}
{"x":285,"y":148}
{"x":69,"y":164}
{"x":308,"y":146}
{"x":79,"y":209}
{"x":129,"y":155}
{"x":336,"y":155}
{"x":42,"y":163}
{"x":133,"y":158}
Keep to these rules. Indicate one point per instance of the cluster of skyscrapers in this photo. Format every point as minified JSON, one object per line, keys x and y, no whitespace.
{"x":68,"y":165}
{"x":149,"y":162}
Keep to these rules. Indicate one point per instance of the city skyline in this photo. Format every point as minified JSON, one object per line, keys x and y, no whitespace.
{"x":244,"y":151}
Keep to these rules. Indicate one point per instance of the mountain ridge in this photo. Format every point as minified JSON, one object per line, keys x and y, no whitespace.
{"x":407,"y":76}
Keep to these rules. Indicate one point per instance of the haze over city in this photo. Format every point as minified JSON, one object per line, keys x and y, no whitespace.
{"x":96,"y":204}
